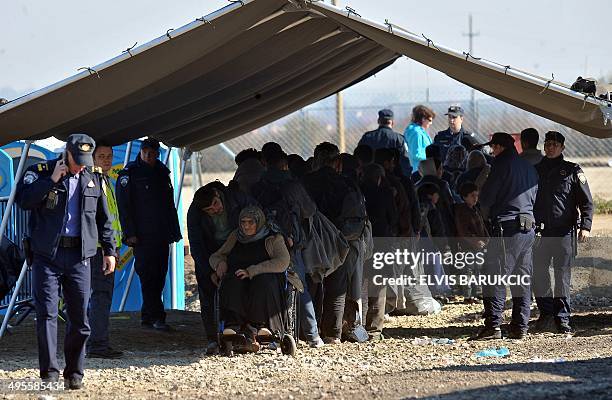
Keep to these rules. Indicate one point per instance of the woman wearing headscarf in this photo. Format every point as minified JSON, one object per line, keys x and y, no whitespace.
{"x":249,"y":268}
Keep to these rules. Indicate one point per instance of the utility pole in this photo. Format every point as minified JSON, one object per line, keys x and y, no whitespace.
{"x":471,"y":34}
{"x":340,"y":113}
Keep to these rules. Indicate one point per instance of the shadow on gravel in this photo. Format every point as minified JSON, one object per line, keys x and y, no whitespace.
{"x":184,"y":345}
{"x":589,"y":378}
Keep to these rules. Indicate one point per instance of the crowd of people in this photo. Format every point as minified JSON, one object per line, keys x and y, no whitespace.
{"x":322,"y":212}
{"x":310,"y":222}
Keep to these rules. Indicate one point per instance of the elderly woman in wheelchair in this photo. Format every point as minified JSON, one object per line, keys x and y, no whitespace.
{"x":250,"y":272}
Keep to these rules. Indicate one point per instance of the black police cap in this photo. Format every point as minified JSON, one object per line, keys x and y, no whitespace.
{"x":81,"y":146}
{"x":385,"y":114}
{"x":455,"y":111}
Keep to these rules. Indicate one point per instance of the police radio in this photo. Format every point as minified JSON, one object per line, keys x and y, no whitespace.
{"x":53,"y":195}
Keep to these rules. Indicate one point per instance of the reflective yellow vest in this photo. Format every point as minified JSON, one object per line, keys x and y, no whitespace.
{"x":111,"y":202}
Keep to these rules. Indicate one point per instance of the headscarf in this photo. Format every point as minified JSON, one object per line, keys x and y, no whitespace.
{"x":256,"y":214}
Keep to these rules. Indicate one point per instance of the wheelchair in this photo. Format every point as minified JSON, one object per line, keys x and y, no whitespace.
{"x":286,"y":338}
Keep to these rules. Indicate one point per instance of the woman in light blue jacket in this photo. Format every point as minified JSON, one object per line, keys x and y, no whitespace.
{"x":416,"y":136}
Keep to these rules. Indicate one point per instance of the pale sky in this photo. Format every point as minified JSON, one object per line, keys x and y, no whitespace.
{"x":45,"y":41}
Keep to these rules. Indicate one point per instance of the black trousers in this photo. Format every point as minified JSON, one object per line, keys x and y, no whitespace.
{"x":329,"y":301}
{"x":207,"y":291}
{"x":70,"y":272}
{"x":151,"y":264}
{"x":555,"y":249}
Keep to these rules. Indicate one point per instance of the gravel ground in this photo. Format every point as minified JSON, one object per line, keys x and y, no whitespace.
{"x":173,"y":365}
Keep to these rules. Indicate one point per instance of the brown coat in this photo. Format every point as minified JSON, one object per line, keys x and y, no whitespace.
{"x":275,"y":246}
{"x":470,"y":227}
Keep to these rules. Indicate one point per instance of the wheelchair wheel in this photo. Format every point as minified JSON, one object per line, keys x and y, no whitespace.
{"x":288,"y":346}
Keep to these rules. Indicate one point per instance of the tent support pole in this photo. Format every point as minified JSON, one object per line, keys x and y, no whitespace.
{"x":126,"y":291}
{"x":173,"y":249}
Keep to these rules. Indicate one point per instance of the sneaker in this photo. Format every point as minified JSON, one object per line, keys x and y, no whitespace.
{"x":487,"y":334}
{"x":108,"y":353}
{"x":316,"y":343}
{"x":331,"y":340}
{"x":74,"y":383}
{"x":212,"y":348}
{"x":161,"y":326}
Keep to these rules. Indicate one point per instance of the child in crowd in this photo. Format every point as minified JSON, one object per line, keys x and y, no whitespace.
{"x":471,"y":230}
{"x":433,"y":238}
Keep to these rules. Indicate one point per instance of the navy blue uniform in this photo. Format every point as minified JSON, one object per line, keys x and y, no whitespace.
{"x":563,"y":191}
{"x":507,"y":198}
{"x":386,"y":138}
{"x":446,"y":139}
{"x":63,"y":260}
{"x":146,"y":210}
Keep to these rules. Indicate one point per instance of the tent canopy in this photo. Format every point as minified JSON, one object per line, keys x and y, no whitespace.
{"x":253,"y":62}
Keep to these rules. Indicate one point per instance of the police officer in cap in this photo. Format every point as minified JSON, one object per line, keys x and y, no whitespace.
{"x":384,"y":137}
{"x":68,"y":217}
{"x":150,"y":223}
{"x":563,"y":199}
{"x":455,"y":134}
{"x":507,"y":199}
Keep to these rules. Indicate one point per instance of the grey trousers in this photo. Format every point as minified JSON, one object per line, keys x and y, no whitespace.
{"x":100,"y":305}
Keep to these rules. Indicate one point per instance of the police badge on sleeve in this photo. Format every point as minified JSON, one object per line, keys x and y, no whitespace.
{"x":124,"y":180}
{"x":582,"y":178}
{"x":30,"y":177}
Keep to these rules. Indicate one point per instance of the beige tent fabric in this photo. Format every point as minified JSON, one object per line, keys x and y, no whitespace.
{"x":247,"y":65}
{"x":552,"y":101}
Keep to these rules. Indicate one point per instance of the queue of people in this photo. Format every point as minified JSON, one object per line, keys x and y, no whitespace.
{"x":283,"y":218}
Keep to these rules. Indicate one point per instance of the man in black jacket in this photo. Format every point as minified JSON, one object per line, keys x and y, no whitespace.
{"x":563,"y":191}
{"x":212,"y":216}
{"x":328,"y":189}
{"x":386,"y":138}
{"x":507,"y":199}
{"x":150,"y":223}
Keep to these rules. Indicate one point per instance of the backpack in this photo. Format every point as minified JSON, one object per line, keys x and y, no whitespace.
{"x":276,"y":208}
{"x":353,"y":217}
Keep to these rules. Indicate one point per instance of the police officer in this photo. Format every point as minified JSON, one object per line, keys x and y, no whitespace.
{"x":150,"y":223}
{"x":455,"y":134}
{"x":507,"y":199}
{"x":563,"y":191}
{"x":386,"y":138}
{"x":68,"y":217}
